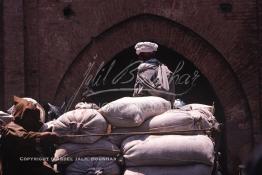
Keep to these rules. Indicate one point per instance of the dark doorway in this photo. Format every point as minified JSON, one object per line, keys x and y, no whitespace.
{"x":116,"y":79}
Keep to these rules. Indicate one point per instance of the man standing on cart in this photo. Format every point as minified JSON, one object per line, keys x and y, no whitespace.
{"x":153,"y":77}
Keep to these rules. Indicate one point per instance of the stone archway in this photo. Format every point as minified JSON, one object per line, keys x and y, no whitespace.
{"x":187,"y":43}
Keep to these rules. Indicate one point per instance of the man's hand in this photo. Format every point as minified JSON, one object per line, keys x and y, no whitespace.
{"x":49,"y":137}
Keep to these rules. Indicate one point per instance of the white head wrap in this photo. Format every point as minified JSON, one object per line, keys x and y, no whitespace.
{"x":145,"y":47}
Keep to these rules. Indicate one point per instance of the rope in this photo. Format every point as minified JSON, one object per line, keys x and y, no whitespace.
{"x":209,"y":130}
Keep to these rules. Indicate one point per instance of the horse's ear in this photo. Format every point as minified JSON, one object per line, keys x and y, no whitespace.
{"x":49,"y":105}
{"x":17,"y":100}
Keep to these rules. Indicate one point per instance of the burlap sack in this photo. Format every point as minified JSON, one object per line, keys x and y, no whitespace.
{"x":171,"y":121}
{"x":133,"y":111}
{"x":80,"y":122}
{"x":94,"y":165}
{"x":198,"y":169}
{"x":69,"y":152}
{"x":167,"y":150}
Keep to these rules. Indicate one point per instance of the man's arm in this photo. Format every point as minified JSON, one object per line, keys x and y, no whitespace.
{"x":20,"y":135}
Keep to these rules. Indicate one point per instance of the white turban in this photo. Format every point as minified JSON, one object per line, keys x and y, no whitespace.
{"x":145,"y":47}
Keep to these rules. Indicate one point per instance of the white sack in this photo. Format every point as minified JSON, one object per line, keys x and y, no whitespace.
{"x":167,"y":150}
{"x":81,"y":122}
{"x":133,"y":111}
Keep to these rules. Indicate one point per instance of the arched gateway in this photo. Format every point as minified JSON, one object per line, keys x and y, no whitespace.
{"x":192,"y":47}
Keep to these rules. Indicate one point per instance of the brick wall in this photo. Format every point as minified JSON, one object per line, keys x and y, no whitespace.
{"x":259,"y":21}
{"x":13,"y":50}
{"x":1,"y":58}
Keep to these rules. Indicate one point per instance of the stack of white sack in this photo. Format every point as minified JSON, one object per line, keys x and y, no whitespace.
{"x":190,"y":122}
{"x":84,"y":149}
{"x":181,"y":145}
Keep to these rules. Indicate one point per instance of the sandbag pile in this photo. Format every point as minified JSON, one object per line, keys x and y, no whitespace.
{"x":152,"y":138}
{"x":83,"y":150}
{"x":157,"y":140}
